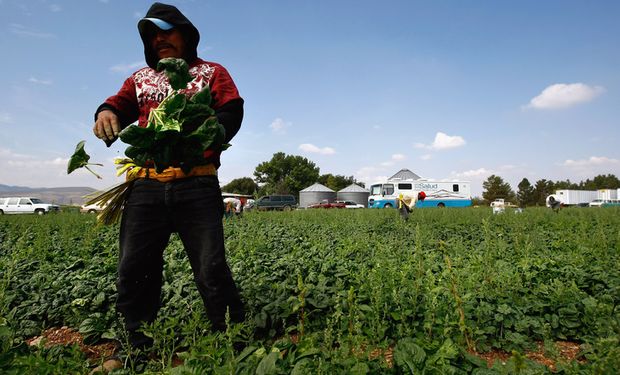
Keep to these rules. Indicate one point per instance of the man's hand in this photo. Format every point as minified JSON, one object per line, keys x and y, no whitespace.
{"x":107,"y":126}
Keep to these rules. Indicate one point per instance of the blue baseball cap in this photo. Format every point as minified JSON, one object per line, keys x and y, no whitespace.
{"x":163,"y":25}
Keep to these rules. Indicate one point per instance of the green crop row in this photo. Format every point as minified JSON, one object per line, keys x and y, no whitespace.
{"x":342,"y":291}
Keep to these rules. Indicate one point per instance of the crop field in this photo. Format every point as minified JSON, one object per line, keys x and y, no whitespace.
{"x":450,"y":291}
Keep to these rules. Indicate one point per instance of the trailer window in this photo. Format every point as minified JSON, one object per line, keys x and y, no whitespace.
{"x":405,"y":187}
{"x":375,"y":190}
{"x":455,"y":187}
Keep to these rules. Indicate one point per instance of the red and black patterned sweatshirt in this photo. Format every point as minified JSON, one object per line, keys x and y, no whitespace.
{"x":146,"y":88}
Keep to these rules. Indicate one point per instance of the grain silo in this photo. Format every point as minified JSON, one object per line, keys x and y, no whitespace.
{"x":354,"y":193}
{"x":314,"y":194}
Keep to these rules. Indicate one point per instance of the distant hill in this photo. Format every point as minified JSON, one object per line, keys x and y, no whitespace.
{"x":58,"y":195}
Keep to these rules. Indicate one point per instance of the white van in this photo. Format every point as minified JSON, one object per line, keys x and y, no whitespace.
{"x":26,"y":205}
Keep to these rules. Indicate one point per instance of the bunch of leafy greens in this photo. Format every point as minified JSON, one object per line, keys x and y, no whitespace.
{"x":180,"y":129}
{"x":80,"y":159}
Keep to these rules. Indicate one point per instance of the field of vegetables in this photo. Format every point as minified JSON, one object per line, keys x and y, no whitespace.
{"x":335,"y":292}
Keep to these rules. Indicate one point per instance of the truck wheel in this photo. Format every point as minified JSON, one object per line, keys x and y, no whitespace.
{"x":1,"y":212}
{"x":441,"y":205}
{"x":286,"y":208}
{"x":91,"y":211}
{"x":388,"y":205}
{"x":40,"y":212}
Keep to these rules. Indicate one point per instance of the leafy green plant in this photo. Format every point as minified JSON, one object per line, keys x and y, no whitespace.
{"x":180,"y":129}
{"x":80,"y":159}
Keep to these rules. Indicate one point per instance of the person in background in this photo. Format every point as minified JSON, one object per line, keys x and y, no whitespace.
{"x":407,"y":202}
{"x":554,"y":204}
{"x":190,"y":205}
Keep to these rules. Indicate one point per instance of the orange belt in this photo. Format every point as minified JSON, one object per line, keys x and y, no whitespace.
{"x":173,"y":173}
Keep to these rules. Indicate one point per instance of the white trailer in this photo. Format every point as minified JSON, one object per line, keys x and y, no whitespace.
{"x":607,"y":194}
{"x":574,"y":197}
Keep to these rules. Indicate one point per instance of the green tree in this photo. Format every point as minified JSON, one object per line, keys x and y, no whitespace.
{"x":285,"y":174}
{"x":542,"y":189}
{"x":601,"y":181}
{"x":495,"y":187}
{"x":477,"y":201}
{"x":244,"y":185}
{"x":525,"y":194}
{"x":337,"y":182}
{"x":565,"y":185}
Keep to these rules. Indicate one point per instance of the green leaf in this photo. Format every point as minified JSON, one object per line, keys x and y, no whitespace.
{"x":79,"y":158}
{"x":170,"y":125}
{"x":209,"y":133}
{"x":137,"y":136}
{"x":177,"y":71}
{"x":268,"y":364}
{"x":202,"y":97}
{"x":173,"y":106}
{"x":138,"y":154}
{"x":407,"y":354}
{"x":163,"y":158}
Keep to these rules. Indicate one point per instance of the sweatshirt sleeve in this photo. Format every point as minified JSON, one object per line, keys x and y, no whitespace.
{"x":227,"y":103}
{"x":124,"y":104}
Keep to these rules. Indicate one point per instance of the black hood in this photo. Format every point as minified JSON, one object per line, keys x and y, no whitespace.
{"x":173,"y":16}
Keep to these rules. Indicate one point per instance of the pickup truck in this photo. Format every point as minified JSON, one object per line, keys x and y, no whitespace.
{"x":327,"y":204}
{"x":26,"y":205}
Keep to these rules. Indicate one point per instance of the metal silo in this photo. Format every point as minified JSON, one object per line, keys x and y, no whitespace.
{"x":354,"y":193}
{"x":314,"y":194}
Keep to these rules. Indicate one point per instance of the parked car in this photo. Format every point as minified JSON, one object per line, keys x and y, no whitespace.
{"x":351,"y":204}
{"x":91,"y":208}
{"x":327,"y":204}
{"x":276,"y":202}
{"x":26,"y":205}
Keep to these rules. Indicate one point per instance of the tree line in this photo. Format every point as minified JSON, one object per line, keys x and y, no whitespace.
{"x":535,"y":195}
{"x":286,"y":174}
{"x":289,"y":174}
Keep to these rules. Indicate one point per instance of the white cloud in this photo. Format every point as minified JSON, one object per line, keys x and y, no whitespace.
{"x":395,"y":158}
{"x":38,"y":164}
{"x":21,"y":30}
{"x":55,"y":8}
{"x":591,"y":162}
{"x":37,"y":81}
{"x":443,"y":142}
{"x":37,"y":171}
{"x":369,"y":175}
{"x":127,"y":68}
{"x":561,"y":95}
{"x":426,"y":157}
{"x":280,"y":126}
{"x":307,"y":147}
{"x":5,"y":118}
{"x":473,"y":173}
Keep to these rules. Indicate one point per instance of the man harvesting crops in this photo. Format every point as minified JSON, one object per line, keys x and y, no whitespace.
{"x":407,"y":202}
{"x":185,"y":197}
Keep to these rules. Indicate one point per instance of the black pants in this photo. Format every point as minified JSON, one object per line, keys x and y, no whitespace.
{"x":193,"y":208}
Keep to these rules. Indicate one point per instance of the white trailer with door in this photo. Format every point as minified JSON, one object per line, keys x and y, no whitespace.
{"x":574,"y":197}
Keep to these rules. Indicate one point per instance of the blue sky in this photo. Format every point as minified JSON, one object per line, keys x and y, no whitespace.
{"x":447,"y":89}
